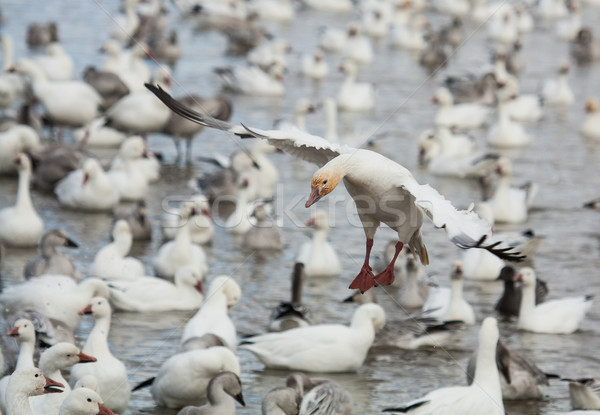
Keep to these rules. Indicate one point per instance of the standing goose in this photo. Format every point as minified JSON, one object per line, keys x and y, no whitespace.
{"x":20,"y":225}
{"x":111,"y":261}
{"x":484,"y":396}
{"x":84,"y":401}
{"x":51,"y":261}
{"x":110,"y":371}
{"x":222,"y":392}
{"x":561,"y":316}
{"x":367,"y":175}
{"x":24,"y":384}
{"x":318,"y":256}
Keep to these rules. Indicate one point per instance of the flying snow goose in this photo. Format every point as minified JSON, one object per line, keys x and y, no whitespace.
{"x":223,"y":390}
{"x":212,"y":317}
{"x":326,"y":348}
{"x":84,"y":401}
{"x":151,"y":294}
{"x":111,"y":261}
{"x":318,"y":256}
{"x":20,"y":225}
{"x":291,"y":314}
{"x":110,"y":371}
{"x":367,"y":175}
{"x":484,"y":396}
{"x":50,"y":261}
{"x":24,"y":384}
{"x":560,"y":316}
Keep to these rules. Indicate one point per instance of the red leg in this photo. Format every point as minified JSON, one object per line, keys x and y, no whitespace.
{"x":386,"y":277}
{"x":365,"y":278}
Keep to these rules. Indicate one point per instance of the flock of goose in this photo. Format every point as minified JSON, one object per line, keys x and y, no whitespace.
{"x":58,"y":119}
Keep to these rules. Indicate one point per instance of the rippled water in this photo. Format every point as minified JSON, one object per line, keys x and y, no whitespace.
{"x":559,"y":160}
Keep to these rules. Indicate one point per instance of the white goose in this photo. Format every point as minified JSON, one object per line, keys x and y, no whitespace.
{"x":61,"y":356}
{"x":507,"y":133}
{"x":67,"y":103}
{"x":112,"y":263}
{"x":267,"y":174}
{"x":15,"y":140}
{"x":561,"y":316}
{"x":148,"y":164}
{"x":483,"y":397}
{"x":552,"y":9}
{"x":557,"y":91}
{"x":568,"y":28}
{"x":97,"y":134}
{"x":467,"y":115}
{"x":240,"y":221}
{"x":84,"y":401}
{"x":56,"y":63}
{"x":336,"y":6}
{"x":318,"y":256}
{"x":251,"y":80}
{"x":24,"y":384}
{"x":183,"y":378}
{"x":590,"y":128}
{"x":315,"y":66}
{"x":510,"y":204}
{"x":110,"y":371}
{"x":20,"y":225}
{"x":411,"y":35}
{"x":354,"y":96}
{"x":57,"y":296}
{"x":139,"y":112}
{"x":202,"y":228}
{"x":273,"y":10}
{"x":367,"y":175}
{"x":129,"y":178}
{"x":358,"y":47}
{"x":450,"y":306}
{"x":11,"y":85}
{"x":324,"y":348}
{"x":151,"y":294}
{"x":88,"y":188}
{"x":180,"y":251}
{"x":212,"y":317}
{"x":269,"y":53}
{"x":333,"y":40}
{"x":127,"y":23}
{"x":503,"y":27}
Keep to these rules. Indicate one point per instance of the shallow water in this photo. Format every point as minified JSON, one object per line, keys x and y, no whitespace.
{"x":563,"y":164}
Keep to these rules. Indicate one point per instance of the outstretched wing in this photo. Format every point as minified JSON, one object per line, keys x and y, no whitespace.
{"x":464,"y":227}
{"x":308,"y":147}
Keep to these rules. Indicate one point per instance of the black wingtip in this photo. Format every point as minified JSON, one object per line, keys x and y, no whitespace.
{"x":144,"y":384}
{"x":507,"y":254}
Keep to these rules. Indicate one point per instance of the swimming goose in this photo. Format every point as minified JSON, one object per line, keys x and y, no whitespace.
{"x":434,"y":56}
{"x":358,"y":48}
{"x":212,"y":317}
{"x":452,"y":7}
{"x":40,"y":34}
{"x":128,"y":173}
{"x":511,"y":204}
{"x":181,"y":251}
{"x":585,"y":49}
{"x":280,"y":401}
{"x":335,"y":6}
{"x":84,"y":401}
{"x":410,"y":35}
{"x":583,"y":394}
{"x":139,"y":112}
{"x":568,"y":28}
{"x":51,"y":261}
{"x":590,"y":128}
{"x":24,"y":384}
{"x":151,"y":294}
{"x":354,"y":96}
{"x":552,"y":9}
{"x":561,"y":316}
{"x":505,"y":132}
{"x":292,"y":314}
{"x":166,"y":48}
{"x":503,"y":27}
{"x":318,"y":256}
{"x":508,"y":305}
{"x":110,"y":371}
{"x":88,"y":188}
{"x":240,"y":220}
{"x":66,"y":103}
{"x":325,"y":348}
{"x":277,"y":11}
{"x":361,"y":171}
{"x":56,"y":63}
{"x":138,"y":220}
{"x":202,"y":228}
{"x":97,"y":134}
{"x":472,"y":88}
{"x":111,"y":261}
{"x":452,"y":34}
{"x":49,"y":331}
{"x":483,"y":396}
{"x":557,"y":91}
{"x":20,"y":225}
{"x":320,"y":395}
{"x":251,"y":80}
{"x":182,"y":379}
{"x":450,"y":306}
{"x":315,"y":66}
{"x":520,"y":378}
{"x":61,"y":356}
{"x":56,"y":296}
{"x":222,"y":392}
{"x":333,"y":40}
{"x":264,"y":234}
{"x":15,"y":140}
{"x":269,"y":53}
{"x":416,"y":287}
{"x":125,"y":24}
{"x":466,"y":115}
{"x":108,"y":84}
{"x":178,"y":127}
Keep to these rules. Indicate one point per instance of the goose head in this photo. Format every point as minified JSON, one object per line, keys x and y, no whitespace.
{"x":84,"y":401}
{"x":23,"y":330}
{"x":349,"y":68}
{"x":507,"y":274}
{"x":201,"y":204}
{"x":503,"y":167}
{"x":229,"y":383}
{"x":304,"y":106}
{"x":98,"y":307}
{"x":591,"y":105}
{"x":23,"y":162}
{"x":526,"y":276}
{"x":319,"y":55}
{"x":163,"y":76}
{"x":457,"y":271}
{"x":442,"y":97}
{"x":189,"y":276}
{"x":227,"y":286}
{"x":54,"y":238}
{"x":489,"y":334}
{"x":323,"y":182}
{"x":277,"y":72}
{"x":32,"y":382}
{"x":62,"y":356}
{"x":91,"y":169}
{"x":112,"y":48}
{"x":371,"y":312}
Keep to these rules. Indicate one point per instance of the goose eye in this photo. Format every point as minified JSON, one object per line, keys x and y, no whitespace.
{"x":325,"y":181}
{"x":89,"y":399}
{"x":37,"y":375}
{"x":69,"y":355}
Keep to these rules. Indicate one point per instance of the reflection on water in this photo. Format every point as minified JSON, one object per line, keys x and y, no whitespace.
{"x":564,"y":165}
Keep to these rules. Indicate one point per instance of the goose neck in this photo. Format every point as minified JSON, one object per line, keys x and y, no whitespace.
{"x":456,"y":293}
{"x":486,"y":373}
{"x":23,"y":194}
{"x":25,"y":358}
{"x":527,"y":301}
{"x":331,"y":122}
{"x":122,"y":244}
{"x":300,"y":120}
{"x":97,"y":340}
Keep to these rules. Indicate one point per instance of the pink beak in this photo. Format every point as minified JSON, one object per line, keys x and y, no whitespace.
{"x":14,"y":332}
{"x":200,"y":287}
{"x":87,"y":310}
{"x":313,"y":198}
{"x":310,"y":222}
{"x":50,"y":386}
{"x":103,"y":410}
{"x":84,"y":358}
